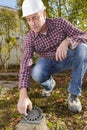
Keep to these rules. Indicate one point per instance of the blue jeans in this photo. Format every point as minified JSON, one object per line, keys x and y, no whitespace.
{"x":76,"y":60}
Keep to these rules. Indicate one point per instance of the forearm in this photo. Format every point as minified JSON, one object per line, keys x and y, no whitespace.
{"x":24,"y":77}
{"x":25,"y":70}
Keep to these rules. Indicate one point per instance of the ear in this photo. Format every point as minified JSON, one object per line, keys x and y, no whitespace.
{"x":44,"y":13}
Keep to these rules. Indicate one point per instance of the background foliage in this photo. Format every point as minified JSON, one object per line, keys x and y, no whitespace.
{"x":74,"y":11}
{"x":8,"y":26}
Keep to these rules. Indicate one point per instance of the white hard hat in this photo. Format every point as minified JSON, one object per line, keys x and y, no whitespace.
{"x":32,"y":6}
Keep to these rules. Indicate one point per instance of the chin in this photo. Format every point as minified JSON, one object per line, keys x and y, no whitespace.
{"x":36,"y":31}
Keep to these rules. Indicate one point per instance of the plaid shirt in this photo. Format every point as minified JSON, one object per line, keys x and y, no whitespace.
{"x":46,"y":45}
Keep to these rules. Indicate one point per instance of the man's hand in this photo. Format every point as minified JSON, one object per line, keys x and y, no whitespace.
{"x":61,"y":52}
{"x":24,"y":102}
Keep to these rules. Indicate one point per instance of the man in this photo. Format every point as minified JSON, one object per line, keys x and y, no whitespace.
{"x":60,"y":45}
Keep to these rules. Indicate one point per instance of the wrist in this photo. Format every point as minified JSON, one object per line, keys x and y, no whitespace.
{"x":67,"y":42}
{"x":23,"y":93}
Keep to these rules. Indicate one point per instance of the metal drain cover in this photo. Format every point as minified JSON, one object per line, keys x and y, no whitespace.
{"x":34,"y":116}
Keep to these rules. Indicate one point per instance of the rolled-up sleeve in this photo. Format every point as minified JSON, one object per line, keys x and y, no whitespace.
{"x":74,"y":35}
{"x":25,"y":69}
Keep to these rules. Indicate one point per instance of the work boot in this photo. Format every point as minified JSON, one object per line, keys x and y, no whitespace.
{"x":47,"y":93}
{"x":74,"y":103}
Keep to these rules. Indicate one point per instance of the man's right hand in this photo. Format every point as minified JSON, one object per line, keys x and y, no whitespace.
{"x":24,"y":102}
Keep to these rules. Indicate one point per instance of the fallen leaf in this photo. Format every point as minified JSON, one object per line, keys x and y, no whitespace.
{"x":85,"y":114}
{"x":60,"y":100}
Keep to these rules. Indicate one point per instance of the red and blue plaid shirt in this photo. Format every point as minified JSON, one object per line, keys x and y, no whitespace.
{"x":58,"y":29}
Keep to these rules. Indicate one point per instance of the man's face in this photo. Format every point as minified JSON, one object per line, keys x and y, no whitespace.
{"x":36,"y":21}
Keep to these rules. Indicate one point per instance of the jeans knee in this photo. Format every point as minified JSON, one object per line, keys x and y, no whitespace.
{"x":36,"y":74}
{"x":81,"y":52}
{"x":39,"y":74}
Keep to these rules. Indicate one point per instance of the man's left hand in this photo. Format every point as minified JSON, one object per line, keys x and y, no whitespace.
{"x":61,"y":52}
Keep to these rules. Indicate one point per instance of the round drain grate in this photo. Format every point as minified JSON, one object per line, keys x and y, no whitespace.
{"x":34,"y":116}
